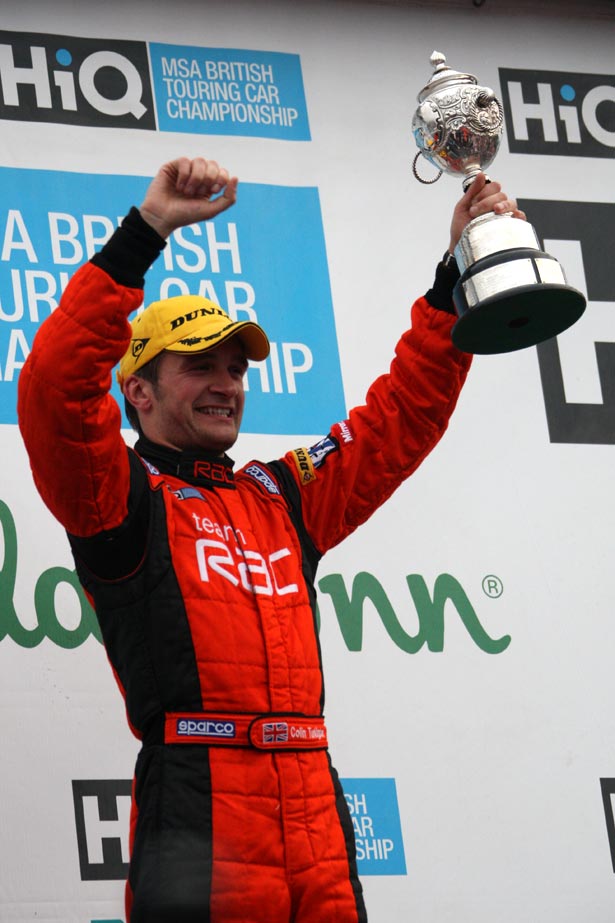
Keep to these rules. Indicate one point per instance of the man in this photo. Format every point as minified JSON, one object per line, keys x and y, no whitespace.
{"x":203,"y":579}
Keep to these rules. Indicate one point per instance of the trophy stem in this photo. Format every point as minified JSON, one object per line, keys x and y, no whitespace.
{"x":471,"y":173}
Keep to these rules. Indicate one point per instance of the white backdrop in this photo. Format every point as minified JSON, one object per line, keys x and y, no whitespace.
{"x":497,"y":758}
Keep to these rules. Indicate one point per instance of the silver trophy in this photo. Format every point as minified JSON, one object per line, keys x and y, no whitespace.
{"x":510,"y":294}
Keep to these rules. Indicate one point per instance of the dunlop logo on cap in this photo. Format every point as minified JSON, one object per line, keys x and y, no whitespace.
{"x":137,"y":347}
{"x":192,"y":315}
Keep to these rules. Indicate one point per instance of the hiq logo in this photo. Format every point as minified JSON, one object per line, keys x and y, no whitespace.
{"x":557,"y":112}
{"x":582,"y":236}
{"x":75,"y":81}
{"x":607,"y":787}
{"x":102,"y":815}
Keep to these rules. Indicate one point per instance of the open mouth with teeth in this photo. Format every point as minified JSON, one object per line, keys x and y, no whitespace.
{"x":216,"y":411}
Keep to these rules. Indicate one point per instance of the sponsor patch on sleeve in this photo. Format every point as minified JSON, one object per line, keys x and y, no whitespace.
{"x":343,"y":430}
{"x":259,"y":474}
{"x":318,"y":453}
{"x":304,"y":465}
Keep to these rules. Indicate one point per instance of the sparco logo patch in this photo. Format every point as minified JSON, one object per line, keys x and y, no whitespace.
{"x":558,"y":112}
{"x":260,"y":475}
{"x":304,"y":465}
{"x":75,"y":81}
{"x":195,"y":727}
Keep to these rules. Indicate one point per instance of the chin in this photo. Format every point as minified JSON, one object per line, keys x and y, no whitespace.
{"x":216,"y":445}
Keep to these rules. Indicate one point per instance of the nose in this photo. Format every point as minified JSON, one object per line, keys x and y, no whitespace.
{"x":225,"y":383}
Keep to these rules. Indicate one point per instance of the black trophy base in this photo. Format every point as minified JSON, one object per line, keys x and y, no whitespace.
{"x":518,"y":317}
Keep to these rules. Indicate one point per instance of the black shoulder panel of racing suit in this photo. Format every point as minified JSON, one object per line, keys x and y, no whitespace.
{"x":130,"y":577}
{"x":310,"y":557}
{"x":116,"y":553}
{"x":288,"y":485}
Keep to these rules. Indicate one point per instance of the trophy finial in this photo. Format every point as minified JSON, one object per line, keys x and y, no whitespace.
{"x":437,"y":60}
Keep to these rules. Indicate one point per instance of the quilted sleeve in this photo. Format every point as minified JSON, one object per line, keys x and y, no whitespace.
{"x":350,"y":473}
{"x":69,"y":422}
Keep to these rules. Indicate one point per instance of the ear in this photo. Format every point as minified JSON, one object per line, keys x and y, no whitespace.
{"x":139,"y":393}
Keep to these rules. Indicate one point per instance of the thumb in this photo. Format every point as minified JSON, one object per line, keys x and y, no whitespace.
{"x":474,"y":188}
{"x":226,"y":199}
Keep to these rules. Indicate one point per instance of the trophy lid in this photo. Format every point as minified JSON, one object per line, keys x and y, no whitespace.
{"x":443,"y":76}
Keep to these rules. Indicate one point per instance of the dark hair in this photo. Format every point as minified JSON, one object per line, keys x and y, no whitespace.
{"x":149,"y":372}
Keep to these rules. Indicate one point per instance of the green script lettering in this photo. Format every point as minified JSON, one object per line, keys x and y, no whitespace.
{"x":349,"y":610}
{"x":430,"y":612}
{"x":44,"y":599}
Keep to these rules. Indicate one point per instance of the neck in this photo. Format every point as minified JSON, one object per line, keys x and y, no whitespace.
{"x":194,"y":465}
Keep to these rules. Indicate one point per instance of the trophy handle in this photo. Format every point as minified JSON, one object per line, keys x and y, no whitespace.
{"x":425,"y":182}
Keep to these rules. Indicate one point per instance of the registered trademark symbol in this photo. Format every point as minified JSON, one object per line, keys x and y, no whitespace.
{"x":492,"y":586}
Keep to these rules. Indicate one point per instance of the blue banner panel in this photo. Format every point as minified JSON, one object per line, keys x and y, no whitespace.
{"x":263,"y":260}
{"x":225,"y":91}
{"x":375,"y":819}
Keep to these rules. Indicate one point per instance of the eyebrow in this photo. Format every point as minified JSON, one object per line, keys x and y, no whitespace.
{"x":190,"y":359}
{"x":240,"y":359}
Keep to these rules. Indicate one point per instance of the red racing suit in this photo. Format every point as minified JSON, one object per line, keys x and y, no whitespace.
{"x":203,"y":583}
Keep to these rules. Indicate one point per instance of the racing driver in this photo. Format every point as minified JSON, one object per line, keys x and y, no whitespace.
{"x":202,"y":577}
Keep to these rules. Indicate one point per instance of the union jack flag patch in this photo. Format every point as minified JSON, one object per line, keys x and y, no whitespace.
{"x":275,"y":732}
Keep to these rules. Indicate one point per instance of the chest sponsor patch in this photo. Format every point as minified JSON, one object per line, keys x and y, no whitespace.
{"x":259,"y":474}
{"x":188,"y":493}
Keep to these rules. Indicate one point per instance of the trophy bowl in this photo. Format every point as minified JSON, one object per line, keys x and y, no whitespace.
{"x":457,"y":125}
{"x":510,"y":294}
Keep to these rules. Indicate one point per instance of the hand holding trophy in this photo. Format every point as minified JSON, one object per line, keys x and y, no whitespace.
{"x":510,"y":294}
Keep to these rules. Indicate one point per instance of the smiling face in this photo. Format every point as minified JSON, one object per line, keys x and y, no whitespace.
{"x":197,"y":401}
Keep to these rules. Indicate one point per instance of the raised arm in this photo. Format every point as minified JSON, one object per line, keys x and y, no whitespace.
{"x":69,"y":422}
{"x":364,"y":459}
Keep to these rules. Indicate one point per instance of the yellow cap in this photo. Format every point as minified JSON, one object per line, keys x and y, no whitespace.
{"x":187,"y":324}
